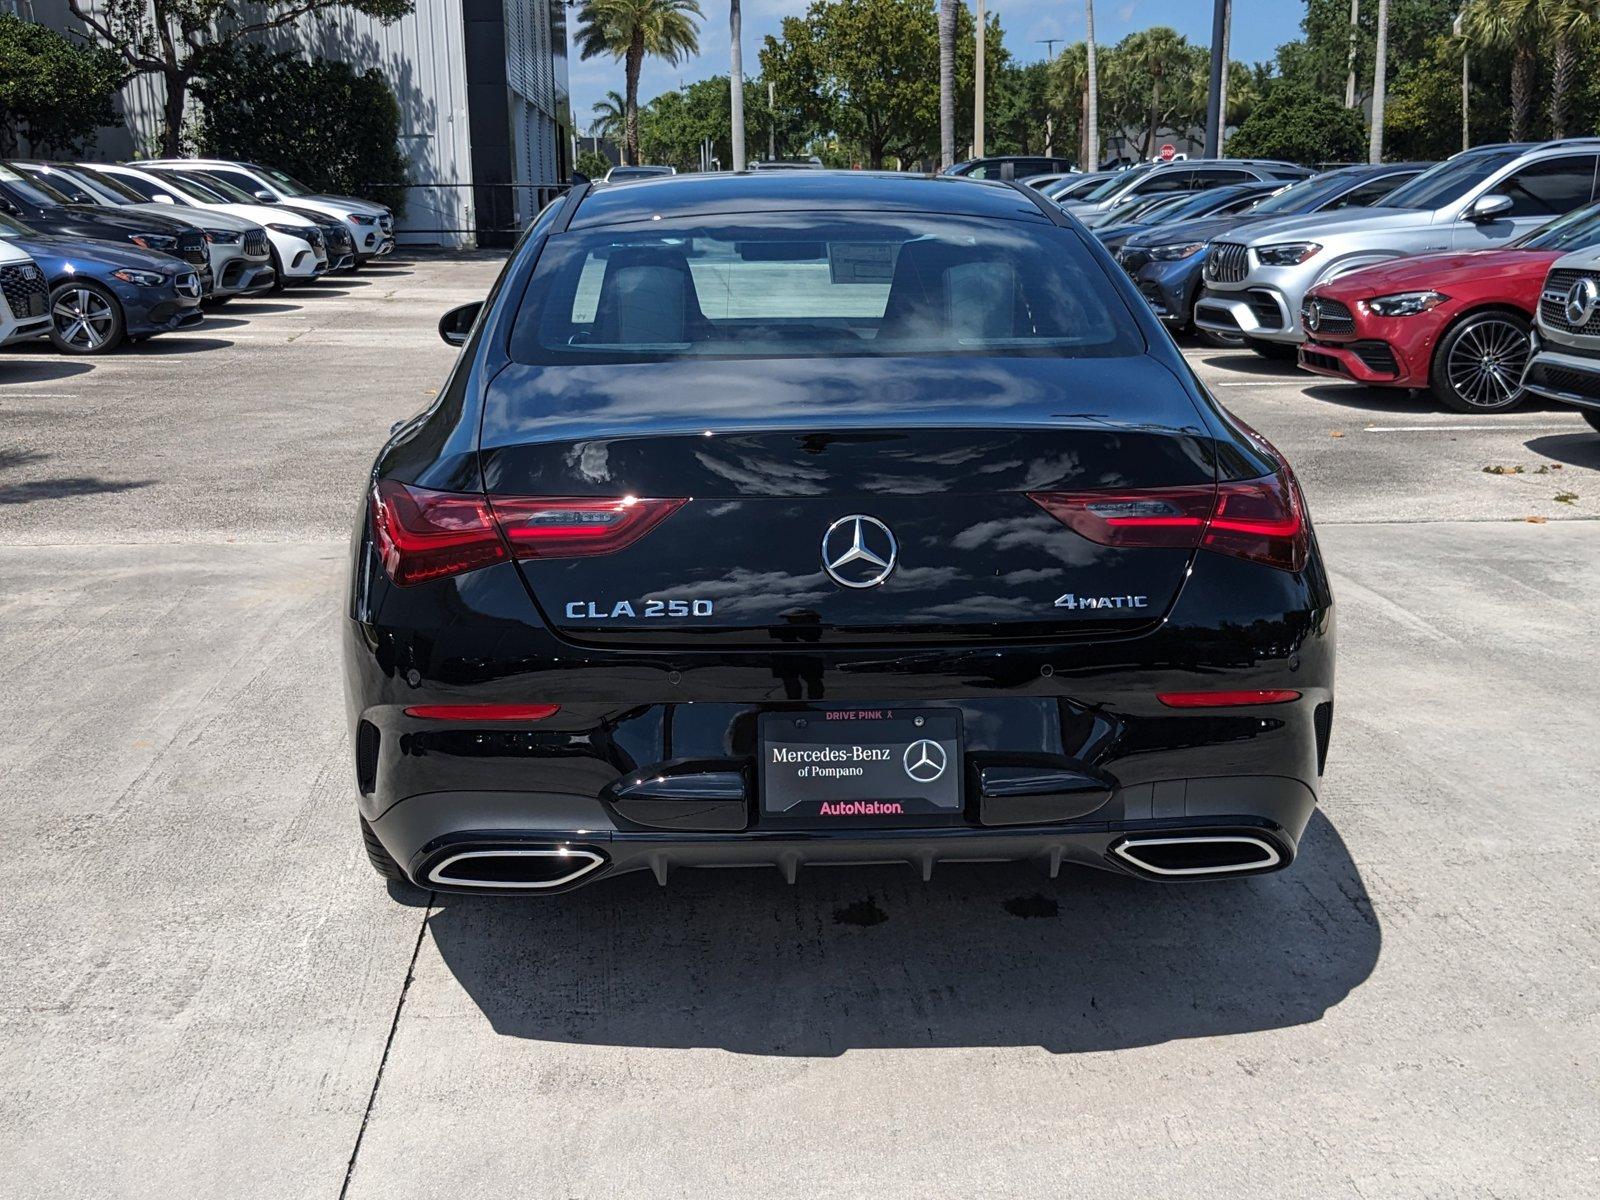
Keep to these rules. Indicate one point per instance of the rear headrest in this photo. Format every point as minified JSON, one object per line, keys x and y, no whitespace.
{"x":941,"y":290}
{"x":647,"y":295}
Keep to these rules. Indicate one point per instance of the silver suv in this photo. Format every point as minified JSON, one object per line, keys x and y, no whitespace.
{"x":1193,"y":175}
{"x":1254,"y":283}
{"x":1566,"y":361}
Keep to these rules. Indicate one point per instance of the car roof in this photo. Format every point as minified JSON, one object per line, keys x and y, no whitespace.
{"x":680,"y":196}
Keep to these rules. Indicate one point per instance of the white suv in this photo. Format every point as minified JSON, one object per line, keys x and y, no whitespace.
{"x":24,"y":297}
{"x":298,"y":248}
{"x":1566,"y":363}
{"x":370,"y":225}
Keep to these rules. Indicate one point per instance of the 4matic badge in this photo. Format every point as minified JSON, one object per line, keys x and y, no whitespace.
{"x":1074,"y":601}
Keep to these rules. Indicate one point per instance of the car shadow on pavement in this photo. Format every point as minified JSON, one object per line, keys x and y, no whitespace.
{"x":163,"y":344}
{"x":254,"y":307}
{"x":27,"y":491}
{"x":43,"y":370}
{"x":1248,"y":362}
{"x":1574,"y":449}
{"x":990,"y":955}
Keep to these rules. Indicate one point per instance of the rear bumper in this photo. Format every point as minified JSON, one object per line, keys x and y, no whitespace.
{"x":426,"y":833}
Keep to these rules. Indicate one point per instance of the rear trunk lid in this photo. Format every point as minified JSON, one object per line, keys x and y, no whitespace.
{"x":850,"y":501}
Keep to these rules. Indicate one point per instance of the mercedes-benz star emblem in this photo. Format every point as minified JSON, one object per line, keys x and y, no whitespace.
{"x":1313,"y":316}
{"x":859,"y":551}
{"x":925,"y":761}
{"x":1582,"y":298}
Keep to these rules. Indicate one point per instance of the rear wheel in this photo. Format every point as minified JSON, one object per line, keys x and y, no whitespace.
{"x":380,"y":858}
{"x":85,"y":318}
{"x":1278,"y":351}
{"x":1478,"y":365}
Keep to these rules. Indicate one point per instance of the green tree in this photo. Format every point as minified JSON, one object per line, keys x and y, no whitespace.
{"x":628,"y":30}
{"x":54,"y":92}
{"x":1022,"y":111}
{"x":1296,"y":123}
{"x":326,"y":123}
{"x":1515,"y":27}
{"x":1153,"y":56}
{"x":1572,"y":24}
{"x":171,"y":38}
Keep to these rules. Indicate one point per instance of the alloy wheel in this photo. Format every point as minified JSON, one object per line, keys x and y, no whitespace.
{"x":84,"y":318}
{"x":1485,"y":364}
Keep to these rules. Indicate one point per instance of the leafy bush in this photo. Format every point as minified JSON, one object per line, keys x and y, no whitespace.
{"x":55,"y":92}
{"x":1295,"y":123}
{"x":332,"y":127}
{"x":593,"y":164}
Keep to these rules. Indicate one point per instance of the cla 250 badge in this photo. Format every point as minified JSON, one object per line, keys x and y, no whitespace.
{"x":590,"y":610}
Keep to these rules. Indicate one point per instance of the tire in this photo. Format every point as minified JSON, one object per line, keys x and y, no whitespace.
{"x":1593,"y":417}
{"x":85,"y":318}
{"x":277,"y":270}
{"x":381,"y":862}
{"x":1277,"y":351}
{"x":1477,"y":367}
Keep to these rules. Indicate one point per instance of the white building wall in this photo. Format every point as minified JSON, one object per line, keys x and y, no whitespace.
{"x":423,"y":59}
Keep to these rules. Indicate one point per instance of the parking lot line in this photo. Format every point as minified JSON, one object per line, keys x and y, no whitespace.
{"x":1468,"y":428}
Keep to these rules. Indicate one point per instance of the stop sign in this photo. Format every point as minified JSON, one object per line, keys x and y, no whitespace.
{"x":1167,"y":151}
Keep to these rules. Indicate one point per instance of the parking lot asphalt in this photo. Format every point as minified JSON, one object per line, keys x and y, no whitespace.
{"x":210,"y":994}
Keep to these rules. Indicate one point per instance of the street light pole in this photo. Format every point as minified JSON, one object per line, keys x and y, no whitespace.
{"x":1219,"y":22}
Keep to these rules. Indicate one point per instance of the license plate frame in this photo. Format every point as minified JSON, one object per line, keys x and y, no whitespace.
{"x":848,"y":766}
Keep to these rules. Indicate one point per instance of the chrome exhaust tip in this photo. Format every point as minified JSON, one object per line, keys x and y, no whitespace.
{"x":1199,"y":854}
{"x":515,"y":868}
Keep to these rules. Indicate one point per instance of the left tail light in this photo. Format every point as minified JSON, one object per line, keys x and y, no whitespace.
{"x":423,"y":534}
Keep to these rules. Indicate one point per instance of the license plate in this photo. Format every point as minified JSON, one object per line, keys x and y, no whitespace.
{"x":860,"y":766}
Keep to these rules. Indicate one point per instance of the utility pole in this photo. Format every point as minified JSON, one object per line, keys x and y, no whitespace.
{"x":1380,"y":65}
{"x":977,"y":90}
{"x":1049,"y":45}
{"x":772,"y":123}
{"x":1219,"y":17}
{"x":1458,"y":28}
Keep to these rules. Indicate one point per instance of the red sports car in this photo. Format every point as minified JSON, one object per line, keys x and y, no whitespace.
{"x":1459,"y":324}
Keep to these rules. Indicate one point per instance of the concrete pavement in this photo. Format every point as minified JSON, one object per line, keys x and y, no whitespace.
{"x":211,"y":994}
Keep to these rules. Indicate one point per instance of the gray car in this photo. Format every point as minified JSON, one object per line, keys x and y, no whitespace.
{"x":1254,"y":282}
{"x":1566,"y":361}
{"x":1191,"y":175}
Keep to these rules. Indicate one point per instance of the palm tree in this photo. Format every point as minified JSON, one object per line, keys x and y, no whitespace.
{"x":630,"y":29}
{"x":1517,"y":26}
{"x":1355,"y":31}
{"x":947,"y":83}
{"x":1380,"y":64}
{"x":736,"y":84}
{"x":1570,"y":23}
{"x":610,"y":115}
{"x":1157,"y":53}
{"x":1092,"y":139}
{"x":1069,"y":75}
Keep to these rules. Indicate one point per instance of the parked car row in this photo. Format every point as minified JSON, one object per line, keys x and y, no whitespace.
{"x":95,"y":254}
{"x":1448,"y":277}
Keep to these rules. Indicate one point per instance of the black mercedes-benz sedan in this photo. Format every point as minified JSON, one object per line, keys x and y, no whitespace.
{"x":816,"y":518}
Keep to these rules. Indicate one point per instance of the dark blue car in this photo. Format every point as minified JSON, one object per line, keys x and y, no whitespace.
{"x":1165,"y":261}
{"x":104,"y":292}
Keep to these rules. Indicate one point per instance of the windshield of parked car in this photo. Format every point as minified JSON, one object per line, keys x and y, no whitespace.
{"x":1118,"y":180}
{"x":808,"y":286}
{"x":1306,"y":195}
{"x":216,"y":191}
{"x":1577,"y":230}
{"x":286,"y":183}
{"x":1449,"y":181}
{"x":186,"y":187}
{"x":104,"y":186}
{"x":32,"y":191}
{"x":11,"y":228}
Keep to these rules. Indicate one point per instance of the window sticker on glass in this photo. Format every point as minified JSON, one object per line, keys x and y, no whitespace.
{"x":861,"y":262}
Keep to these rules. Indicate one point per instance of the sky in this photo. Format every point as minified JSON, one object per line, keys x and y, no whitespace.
{"x":1259,"y":28}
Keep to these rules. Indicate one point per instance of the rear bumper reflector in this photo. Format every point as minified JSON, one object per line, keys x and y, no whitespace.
{"x":483,"y":712}
{"x":1225,"y":699}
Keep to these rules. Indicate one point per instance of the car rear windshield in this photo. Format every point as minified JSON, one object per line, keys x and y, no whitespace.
{"x":796,"y":286}
{"x":1577,"y":230}
{"x":1449,"y":181}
